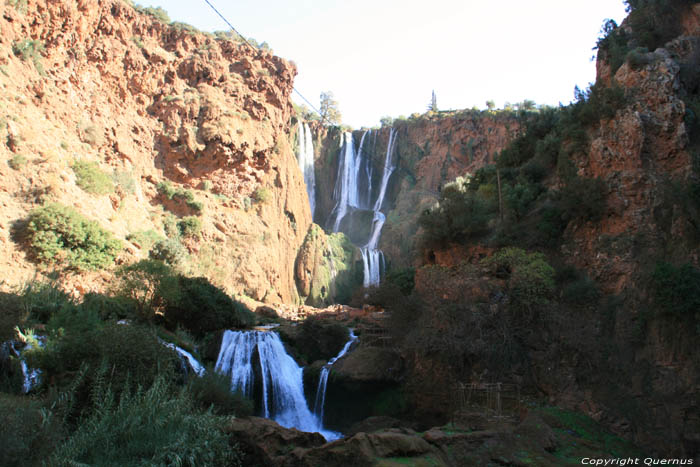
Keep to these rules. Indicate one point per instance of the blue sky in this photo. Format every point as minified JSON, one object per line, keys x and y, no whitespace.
{"x":384,"y":57}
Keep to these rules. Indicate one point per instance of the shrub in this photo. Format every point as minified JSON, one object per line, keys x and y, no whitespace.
{"x":403,"y":279}
{"x":17,"y":162}
{"x":90,"y":178}
{"x":169,"y":251}
{"x":157,"y":12}
{"x":178,"y":194}
{"x":58,"y":233}
{"x":28,"y":435}
{"x":582,"y":291}
{"x":213,"y":391}
{"x":109,"y":308}
{"x":41,"y":300}
{"x":530,"y":277}
{"x":262,"y":194}
{"x":144,"y":239}
{"x":150,"y":284}
{"x":201,"y":307}
{"x":459,"y":214}
{"x":30,"y":49}
{"x":190,"y":226}
{"x":677,"y":288}
{"x":157,"y":426}
{"x":584,"y":198}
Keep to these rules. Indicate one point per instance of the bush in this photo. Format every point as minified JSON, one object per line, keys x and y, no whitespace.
{"x":262,"y":194}
{"x":150,"y":284}
{"x":530,"y":277}
{"x":17,"y":162}
{"x":677,"y":288}
{"x":403,"y":279}
{"x":201,"y":307}
{"x":90,"y":178}
{"x":213,"y":392}
{"x":190,"y":227}
{"x":459,"y":214}
{"x":58,"y":233}
{"x":584,"y":198}
{"x":30,"y":49}
{"x":179,"y":194}
{"x":148,"y":427}
{"x":109,"y":308}
{"x":169,"y":251}
{"x":144,"y":239}
{"x":157,"y":12}
{"x":41,"y":300}
{"x":28,"y":435}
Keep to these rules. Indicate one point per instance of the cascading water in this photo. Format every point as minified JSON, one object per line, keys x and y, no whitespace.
{"x":31,"y":377}
{"x":353,"y":190}
{"x":281,"y":378}
{"x":305,"y":157}
{"x":320,"y":399}
{"x":187,"y":358}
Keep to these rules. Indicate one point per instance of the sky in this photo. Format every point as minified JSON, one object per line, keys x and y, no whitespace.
{"x":385,"y":57}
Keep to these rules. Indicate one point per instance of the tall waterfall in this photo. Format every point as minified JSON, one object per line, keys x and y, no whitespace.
{"x":353,"y":191}
{"x":305,"y":157}
{"x":320,"y":399}
{"x":281,"y":378}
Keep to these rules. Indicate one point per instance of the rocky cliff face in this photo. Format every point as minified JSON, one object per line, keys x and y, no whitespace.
{"x":97,"y":81}
{"x":430,"y":151}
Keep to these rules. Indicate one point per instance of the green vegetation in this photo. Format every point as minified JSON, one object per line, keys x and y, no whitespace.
{"x":530,"y":277}
{"x":179,"y":194}
{"x":17,"y":162}
{"x":19,"y":5}
{"x":157,"y":12}
{"x":60,"y":234}
{"x":30,"y":49}
{"x":169,"y":250}
{"x":190,"y":227}
{"x":677,"y":289}
{"x":91,"y":178}
{"x":262,"y":194}
{"x":330,"y":114}
{"x":144,"y":239}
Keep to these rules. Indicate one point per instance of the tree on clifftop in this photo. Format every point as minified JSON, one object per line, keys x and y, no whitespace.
{"x":330,"y":115}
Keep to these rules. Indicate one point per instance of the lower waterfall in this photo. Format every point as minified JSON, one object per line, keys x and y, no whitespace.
{"x":247,"y":355}
{"x":320,"y":399}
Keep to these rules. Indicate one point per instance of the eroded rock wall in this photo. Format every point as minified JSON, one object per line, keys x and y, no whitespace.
{"x":150,"y":103}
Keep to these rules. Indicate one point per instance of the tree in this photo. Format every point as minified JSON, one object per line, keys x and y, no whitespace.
{"x":386,"y":121}
{"x":432,"y":107}
{"x":490,"y":104}
{"x":330,"y":114}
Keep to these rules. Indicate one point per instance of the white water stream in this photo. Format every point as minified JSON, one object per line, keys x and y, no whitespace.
{"x":353,"y":190}
{"x":320,"y":399}
{"x":305,"y":158}
{"x":282,"y":381}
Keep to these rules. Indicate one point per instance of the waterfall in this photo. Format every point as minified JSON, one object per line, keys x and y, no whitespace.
{"x":305,"y":158}
{"x":320,"y":399}
{"x":281,"y":378}
{"x":353,"y":191}
{"x":30,"y":376}
{"x":345,"y":193}
{"x":187,"y":358}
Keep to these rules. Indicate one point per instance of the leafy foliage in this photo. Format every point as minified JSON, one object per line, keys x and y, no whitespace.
{"x":169,"y":251}
{"x":213,"y":391}
{"x":330,"y":114}
{"x":90,"y":178}
{"x":530,"y":277}
{"x":58,"y":233}
{"x":30,"y":49}
{"x":677,"y":288}
{"x":190,"y":226}
{"x":200,"y":307}
{"x":157,"y":426}
{"x":179,"y":194}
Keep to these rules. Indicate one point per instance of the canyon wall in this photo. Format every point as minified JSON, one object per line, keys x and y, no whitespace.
{"x":97,"y":81}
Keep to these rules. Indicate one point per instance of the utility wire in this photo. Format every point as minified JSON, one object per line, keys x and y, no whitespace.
{"x":256,"y":49}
